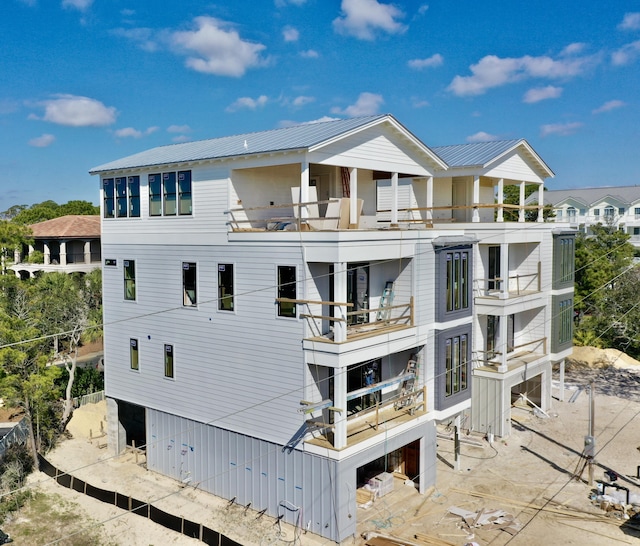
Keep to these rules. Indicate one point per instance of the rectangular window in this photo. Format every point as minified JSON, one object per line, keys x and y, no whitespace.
{"x":636,"y":230}
{"x":457,"y":291}
{"x":567,"y":259}
{"x":286,"y":289}
{"x":133,"y":354}
{"x":636,"y":213}
{"x":121,"y":197}
{"x":189,"y":296}
{"x":225,"y":287}
{"x":456,"y":362}
{"x":133,"y":186}
{"x":621,"y":211}
{"x":129,"y":279}
{"x":108,"y":189}
{"x":168,"y":361}
{"x":511,"y":333}
{"x":184,"y":192}
{"x":155,"y":195}
{"x":110,"y":262}
{"x":596,"y":213}
{"x":169,"y":188}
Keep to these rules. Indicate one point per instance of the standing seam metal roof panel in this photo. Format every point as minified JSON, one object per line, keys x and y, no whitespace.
{"x":476,"y":154}
{"x":274,"y":140}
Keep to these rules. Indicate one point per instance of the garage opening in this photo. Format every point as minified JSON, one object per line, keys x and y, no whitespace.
{"x":405,"y":461}
{"x":132,"y":419}
{"x":532,"y":388}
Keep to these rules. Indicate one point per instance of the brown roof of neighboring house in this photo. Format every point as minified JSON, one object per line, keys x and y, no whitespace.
{"x":72,"y":226}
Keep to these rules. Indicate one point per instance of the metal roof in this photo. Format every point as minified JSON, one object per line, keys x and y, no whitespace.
{"x":276,"y":140}
{"x":591,"y":196}
{"x":476,"y":154}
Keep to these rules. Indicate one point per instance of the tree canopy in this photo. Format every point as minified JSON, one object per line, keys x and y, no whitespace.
{"x":47,"y":210}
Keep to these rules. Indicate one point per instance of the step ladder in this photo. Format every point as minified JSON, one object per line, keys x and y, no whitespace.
{"x":386,"y":301}
{"x":407,"y":389}
{"x":346,"y":182}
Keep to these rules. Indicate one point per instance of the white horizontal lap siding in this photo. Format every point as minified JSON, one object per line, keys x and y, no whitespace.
{"x":515,"y":167}
{"x":373,"y":149}
{"x":424,"y":283}
{"x":406,"y":199}
{"x":223,"y":361}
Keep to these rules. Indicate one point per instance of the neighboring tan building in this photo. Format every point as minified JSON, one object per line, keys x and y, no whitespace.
{"x":290,"y":313}
{"x":68,"y":244}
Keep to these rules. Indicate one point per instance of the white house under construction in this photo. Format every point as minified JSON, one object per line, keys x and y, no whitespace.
{"x":290,"y":313}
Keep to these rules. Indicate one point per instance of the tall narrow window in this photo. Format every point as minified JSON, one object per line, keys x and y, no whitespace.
{"x":155,"y":195}
{"x":286,"y":289}
{"x":493,"y":327}
{"x":457,"y":287}
{"x":456,"y":364}
{"x":129,"y":279}
{"x":189,"y":296}
{"x":108,"y":189}
{"x":133,"y":186}
{"x":494,"y":268}
{"x":184,"y":192}
{"x":511,"y":333}
{"x":565,"y":333}
{"x":121,"y":197}
{"x":169,"y":184}
{"x":168,"y":361}
{"x":225,"y":287}
{"x":133,"y":354}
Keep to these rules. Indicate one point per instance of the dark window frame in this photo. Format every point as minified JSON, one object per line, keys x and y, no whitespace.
{"x":226,"y":281}
{"x":454,"y":269}
{"x":450,"y":370}
{"x":287,"y":288}
{"x":134,"y":354}
{"x":189,"y":284}
{"x":130,"y":292}
{"x":108,"y":197}
{"x":169,"y":361}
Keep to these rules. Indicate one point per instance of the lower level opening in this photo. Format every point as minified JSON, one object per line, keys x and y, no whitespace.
{"x":132,"y":419}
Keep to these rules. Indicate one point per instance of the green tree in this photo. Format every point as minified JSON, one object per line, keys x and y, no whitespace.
{"x":38,"y":212}
{"x":511,"y":194}
{"x":78,"y":207}
{"x":12,"y":237}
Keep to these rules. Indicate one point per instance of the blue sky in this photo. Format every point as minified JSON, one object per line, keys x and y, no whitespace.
{"x":83,"y":82}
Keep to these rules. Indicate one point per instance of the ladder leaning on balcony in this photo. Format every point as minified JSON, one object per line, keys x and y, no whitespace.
{"x":386,"y":301}
{"x":408,"y":385}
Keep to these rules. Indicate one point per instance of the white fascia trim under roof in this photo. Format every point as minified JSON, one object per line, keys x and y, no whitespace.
{"x":532,"y":153}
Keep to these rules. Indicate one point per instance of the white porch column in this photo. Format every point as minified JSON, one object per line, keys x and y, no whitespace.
{"x":500,"y":216}
{"x":504,"y":270}
{"x":304,"y":189}
{"x":87,"y":252}
{"x":429,"y":215}
{"x":63,"y":252}
{"x":476,"y":199}
{"x":502,"y":336}
{"x":340,"y":296}
{"x":340,"y":401}
{"x":521,"y":211}
{"x":46,"y":251}
{"x":540,"y":202}
{"x":353,"y":198}
{"x":394,"y":199}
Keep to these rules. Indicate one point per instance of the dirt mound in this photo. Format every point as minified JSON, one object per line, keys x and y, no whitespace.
{"x":89,"y":419}
{"x":592,"y":357}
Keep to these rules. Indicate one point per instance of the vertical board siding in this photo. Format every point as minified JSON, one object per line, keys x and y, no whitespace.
{"x":315,"y":490}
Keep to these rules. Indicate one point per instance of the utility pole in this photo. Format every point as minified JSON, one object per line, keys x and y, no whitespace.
{"x":590,"y":439}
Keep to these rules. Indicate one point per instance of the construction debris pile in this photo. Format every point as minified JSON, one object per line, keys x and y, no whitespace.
{"x":497,"y":519}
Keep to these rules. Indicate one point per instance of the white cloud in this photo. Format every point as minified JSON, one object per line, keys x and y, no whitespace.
{"x":419,"y":103}
{"x":429,"y":62}
{"x":573,"y":49}
{"x":216,"y":48}
{"x":492,"y":71}
{"x":481,"y":136}
{"x":247,"y":103}
{"x":366,"y":105}
{"x":302,"y":101}
{"x":180,"y":138}
{"x":134,"y":133}
{"x":178,"y":129}
{"x":43,"y":141}
{"x":76,"y":111}
{"x":290,"y":34}
{"x":626,"y":54}
{"x":309,"y":54}
{"x":542,"y":93}
{"x":560,"y":129}
{"x":608,"y":106}
{"x":146,"y":38}
{"x":630,"y":21}
{"x":362,"y":18}
{"x":81,"y":5}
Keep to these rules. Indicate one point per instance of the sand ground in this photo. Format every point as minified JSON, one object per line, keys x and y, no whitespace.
{"x":529,"y":475}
